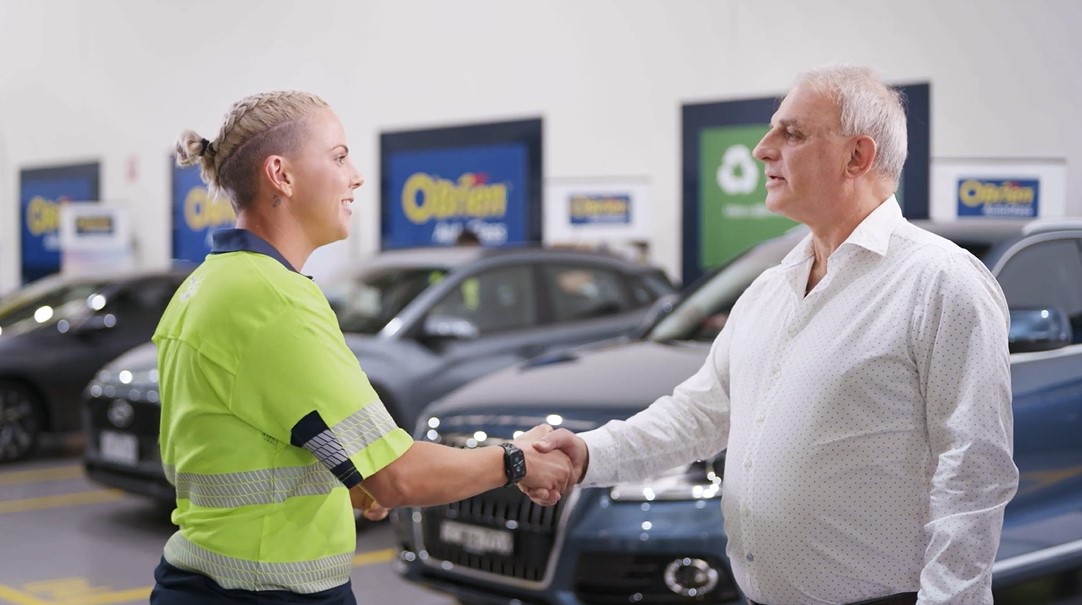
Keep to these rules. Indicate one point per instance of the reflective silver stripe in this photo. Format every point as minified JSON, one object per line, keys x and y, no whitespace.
{"x":230,"y":572}
{"x":267,"y":486}
{"x":170,"y":473}
{"x":364,"y":427}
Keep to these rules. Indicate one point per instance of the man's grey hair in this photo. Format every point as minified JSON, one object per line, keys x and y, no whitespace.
{"x":867,"y":106}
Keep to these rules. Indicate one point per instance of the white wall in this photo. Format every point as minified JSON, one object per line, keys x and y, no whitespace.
{"x":115,"y":80}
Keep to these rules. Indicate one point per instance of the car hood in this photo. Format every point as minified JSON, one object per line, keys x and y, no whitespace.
{"x":584,"y":388}
{"x":142,"y":358}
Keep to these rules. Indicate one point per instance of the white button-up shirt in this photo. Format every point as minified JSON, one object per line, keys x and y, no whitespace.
{"x":867,"y":424}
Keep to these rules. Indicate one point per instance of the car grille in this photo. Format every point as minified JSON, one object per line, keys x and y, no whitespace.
{"x":143,"y":423}
{"x":534,"y":530}
{"x":611,"y":578}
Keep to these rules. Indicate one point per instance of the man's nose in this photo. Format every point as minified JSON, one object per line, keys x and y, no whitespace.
{"x":764,"y":150}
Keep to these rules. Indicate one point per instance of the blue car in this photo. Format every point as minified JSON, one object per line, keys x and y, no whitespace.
{"x":662,"y":540}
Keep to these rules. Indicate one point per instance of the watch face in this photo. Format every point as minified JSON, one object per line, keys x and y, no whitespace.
{"x":514,"y":462}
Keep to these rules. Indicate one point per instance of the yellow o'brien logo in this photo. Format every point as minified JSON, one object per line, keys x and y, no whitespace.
{"x":42,"y":216}
{"x":425,"y":198}
{"x":200,"y":211}
{"x":974,"y":192}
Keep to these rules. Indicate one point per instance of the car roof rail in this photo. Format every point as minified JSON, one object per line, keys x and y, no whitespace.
{"x":1042,"y":225}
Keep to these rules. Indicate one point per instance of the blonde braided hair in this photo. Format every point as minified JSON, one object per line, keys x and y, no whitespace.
{"x":268,"y":123}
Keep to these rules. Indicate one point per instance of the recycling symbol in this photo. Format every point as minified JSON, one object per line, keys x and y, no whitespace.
{"x":738,"y":173}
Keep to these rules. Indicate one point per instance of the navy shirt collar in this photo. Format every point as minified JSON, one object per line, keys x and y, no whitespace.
{"x":242,"y":240}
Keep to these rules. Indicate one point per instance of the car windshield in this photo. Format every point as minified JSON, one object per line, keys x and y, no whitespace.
{"x":43,"y":299}
{"x":701,"y":314}
{"x":365,"y":303}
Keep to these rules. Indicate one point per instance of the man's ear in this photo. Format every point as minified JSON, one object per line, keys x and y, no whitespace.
{"x":277,"y":171}
{"x":862,"y":157}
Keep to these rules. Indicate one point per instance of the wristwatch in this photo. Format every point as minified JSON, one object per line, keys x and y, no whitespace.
{"x":514,"y":463}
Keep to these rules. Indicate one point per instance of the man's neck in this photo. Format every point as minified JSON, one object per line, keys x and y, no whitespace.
{"x":829,"y":236}
{"x":832,"y":233}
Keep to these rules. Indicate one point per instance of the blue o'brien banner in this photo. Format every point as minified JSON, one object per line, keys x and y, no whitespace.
{"x":195,"y":215}
{"x":993,"y":197}
{"x":483,"y":178}
{"x":441,"y":192}
{"x":41,"y":192}
{"x":600,"y":209}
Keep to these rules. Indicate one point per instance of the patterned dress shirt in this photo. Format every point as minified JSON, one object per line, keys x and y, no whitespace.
{"x":867,"y":423}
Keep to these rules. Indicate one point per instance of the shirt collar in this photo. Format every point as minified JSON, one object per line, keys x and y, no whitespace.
{"x":872,"y":234}
{"x":242,"y":240}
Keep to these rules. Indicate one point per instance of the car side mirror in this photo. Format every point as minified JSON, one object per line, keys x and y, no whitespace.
{"x":661,"y":308}
{"x":440,"y":327}
{"x":1039,"y":329}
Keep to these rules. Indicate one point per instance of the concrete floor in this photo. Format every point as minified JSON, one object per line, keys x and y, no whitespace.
{"x":67,"y":541}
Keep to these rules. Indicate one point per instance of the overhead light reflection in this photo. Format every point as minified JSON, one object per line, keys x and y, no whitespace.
{"x":43,"y":314}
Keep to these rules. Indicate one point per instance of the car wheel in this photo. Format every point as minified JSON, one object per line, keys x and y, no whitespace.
{"x":20,"y":421}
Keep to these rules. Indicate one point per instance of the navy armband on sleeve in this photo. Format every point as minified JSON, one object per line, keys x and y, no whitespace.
{"x":313,"y":434}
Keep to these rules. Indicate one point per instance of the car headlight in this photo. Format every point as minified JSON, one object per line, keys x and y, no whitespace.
{"x":700,"y":480}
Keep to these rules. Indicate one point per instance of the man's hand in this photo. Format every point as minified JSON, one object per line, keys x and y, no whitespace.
{"x":548,"y":473}
{"x":561,"y":440}
{"x":364,"y":502}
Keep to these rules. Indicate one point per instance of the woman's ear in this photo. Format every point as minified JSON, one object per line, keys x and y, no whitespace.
{"x":277,"y":172}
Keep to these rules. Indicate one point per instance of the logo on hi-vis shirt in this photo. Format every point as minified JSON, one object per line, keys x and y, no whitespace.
{"x":738,"y":173}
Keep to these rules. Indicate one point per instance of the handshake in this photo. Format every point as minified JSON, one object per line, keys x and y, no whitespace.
{"x":555,"y":462}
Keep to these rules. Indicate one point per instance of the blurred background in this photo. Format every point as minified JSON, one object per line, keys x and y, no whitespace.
{"x":598,"y":155}
{"x":111,"y":83}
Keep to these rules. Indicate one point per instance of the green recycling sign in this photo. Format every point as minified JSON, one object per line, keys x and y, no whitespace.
{"x":732,"y":193}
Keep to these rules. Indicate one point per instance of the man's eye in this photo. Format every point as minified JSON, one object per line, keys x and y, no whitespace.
{"x":340,"y":159}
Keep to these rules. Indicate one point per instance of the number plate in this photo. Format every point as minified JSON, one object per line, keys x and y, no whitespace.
{"x":477,"y":539}
{"x":119,"y":447}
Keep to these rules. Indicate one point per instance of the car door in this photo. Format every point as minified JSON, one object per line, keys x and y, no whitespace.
{"x":499,"y":306}
{"x":1046,"y":271}
{"x":587,"y":303}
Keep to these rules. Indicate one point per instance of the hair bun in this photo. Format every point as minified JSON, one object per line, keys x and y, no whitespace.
{"x":190,"y":148}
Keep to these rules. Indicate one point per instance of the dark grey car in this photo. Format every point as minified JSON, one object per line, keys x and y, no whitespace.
{"x":56,"y":333}
{"x":422,"y":323}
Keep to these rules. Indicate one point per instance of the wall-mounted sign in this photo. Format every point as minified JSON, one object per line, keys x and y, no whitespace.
{"x":94,"y":238}
{"x":42,"y":191}
{"x":998,"y":197}
{"x":483,"y":178}
{"x":600,"y":209}
{"x":597,"y":210}
{"x":724,"y":189}
{"x":196,"y":214}
{"x":998,"y":188}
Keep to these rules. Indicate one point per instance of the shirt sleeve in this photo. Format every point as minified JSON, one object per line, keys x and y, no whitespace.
{"x":962,"y":358}
{"x":299,"y":383}
{"x":690,"y":424}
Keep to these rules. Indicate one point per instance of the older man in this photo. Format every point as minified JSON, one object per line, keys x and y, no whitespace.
{"x":861,"y":388}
